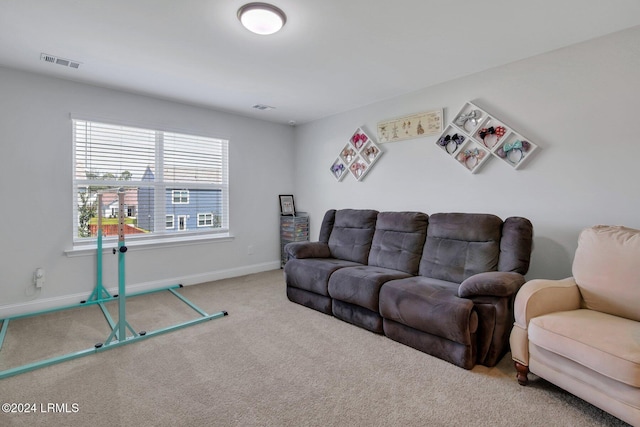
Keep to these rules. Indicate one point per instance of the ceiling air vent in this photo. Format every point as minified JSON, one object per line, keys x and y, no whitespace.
{"x":263,"y":107}
{"x":60,"y":61}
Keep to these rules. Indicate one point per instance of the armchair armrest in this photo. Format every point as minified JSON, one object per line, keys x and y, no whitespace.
{"x":492,"y":283}
{"x":536,"y":298}
{"x":542,"y":296}
{"x":307,"y":250}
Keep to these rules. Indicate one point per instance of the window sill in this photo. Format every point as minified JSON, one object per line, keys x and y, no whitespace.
{"x":160,"y":243}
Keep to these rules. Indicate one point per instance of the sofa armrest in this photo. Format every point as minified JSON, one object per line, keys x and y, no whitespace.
{"x":536,"y":298}
{"x":492,"y":283}
{"x":301,"y":250}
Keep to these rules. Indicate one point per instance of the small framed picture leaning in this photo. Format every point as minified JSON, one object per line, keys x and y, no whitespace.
{"x":286,"y":205}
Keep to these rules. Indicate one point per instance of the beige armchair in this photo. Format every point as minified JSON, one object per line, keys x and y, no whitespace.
{"x":583,"y":333}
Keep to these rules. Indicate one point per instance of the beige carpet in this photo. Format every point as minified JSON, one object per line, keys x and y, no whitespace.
{"x":269,"y":363}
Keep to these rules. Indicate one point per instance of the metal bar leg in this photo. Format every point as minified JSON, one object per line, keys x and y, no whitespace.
{"x":189,"y":303}
{"x":3,"y":331}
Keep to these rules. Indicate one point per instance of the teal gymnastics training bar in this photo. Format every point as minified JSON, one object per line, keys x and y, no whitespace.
{"x":100,"y":296}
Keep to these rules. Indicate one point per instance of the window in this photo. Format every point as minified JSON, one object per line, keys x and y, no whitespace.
{"x":205,"y":219}
{"x":163,"y":176}
{"x":180,"y":197}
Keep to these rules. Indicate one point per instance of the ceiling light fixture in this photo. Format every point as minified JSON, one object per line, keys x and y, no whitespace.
{"x":262,"y":18}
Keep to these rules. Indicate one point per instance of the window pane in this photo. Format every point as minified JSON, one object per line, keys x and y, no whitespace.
{"x":169,"y":221}
{"x":192,"y":159}
{"x":108,"y":152}
{"x":90,"y":205}
{"x":180,"y":196}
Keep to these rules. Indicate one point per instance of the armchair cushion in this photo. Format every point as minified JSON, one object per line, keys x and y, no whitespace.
{"x":536,"y":298}
{"x":605,"y":268}
{"x":598,"y":341}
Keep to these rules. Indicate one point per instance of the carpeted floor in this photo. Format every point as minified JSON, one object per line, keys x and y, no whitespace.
{"x":269,"y":363}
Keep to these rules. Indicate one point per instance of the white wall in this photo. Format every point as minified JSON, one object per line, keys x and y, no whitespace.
{"x":579,"y":104}
{"x":35,"y":189}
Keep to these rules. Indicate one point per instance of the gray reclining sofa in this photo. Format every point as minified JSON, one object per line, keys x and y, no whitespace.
{"x":443,"y":284}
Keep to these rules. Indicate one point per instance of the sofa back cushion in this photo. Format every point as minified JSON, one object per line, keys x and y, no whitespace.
{"x":606,"y":270}
{"x":459,"y":245}
{"x":516,"y":244}
{"x":398,"y":241}
{"x":327,"y":225}
{"x":352,"y":234}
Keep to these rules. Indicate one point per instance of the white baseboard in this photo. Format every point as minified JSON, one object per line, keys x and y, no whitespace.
{"x":12,"y":310}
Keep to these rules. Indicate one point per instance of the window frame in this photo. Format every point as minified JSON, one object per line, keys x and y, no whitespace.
{"x":182,"y":200}
{"x":207,"y":218}
{"x":173,"y":221}
{"x":160,"y":187}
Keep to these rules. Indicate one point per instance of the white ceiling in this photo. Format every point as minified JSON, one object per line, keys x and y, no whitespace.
{"x":331,"y":56}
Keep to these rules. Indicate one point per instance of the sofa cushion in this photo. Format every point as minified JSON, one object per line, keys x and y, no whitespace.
{"x":605,"y":268}
{"x":491,"y":283}
{"x":516,"y":244}
{"x":398,"y":241}
{"x":307,"y":250}
{"x":431,"y":306}
{"x":460,"y":245}
{"x":361,"y":285}
{"x":312,"y":274}
{"x":609,"y":345}
{"x":327,"y":225}
{"x":352,"y":233}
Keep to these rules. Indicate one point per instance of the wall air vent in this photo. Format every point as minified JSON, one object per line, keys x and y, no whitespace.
{"x":263,"y":107}
{"x":60,"y":61}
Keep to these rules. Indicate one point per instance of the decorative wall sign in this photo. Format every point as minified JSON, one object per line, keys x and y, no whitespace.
{"x":412,"y":126}
{"x":356,"y":157}
{"x":474,"y":134}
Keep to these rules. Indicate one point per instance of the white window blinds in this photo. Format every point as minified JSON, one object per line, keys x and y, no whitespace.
{"x":152,"y":166}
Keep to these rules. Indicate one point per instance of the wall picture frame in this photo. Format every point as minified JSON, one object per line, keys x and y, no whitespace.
{"x":287,"y":206}
{"x":411,"y":126}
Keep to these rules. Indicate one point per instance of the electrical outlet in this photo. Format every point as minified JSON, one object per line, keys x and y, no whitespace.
{"x":38,"y":277}
{"x":250,"y":250}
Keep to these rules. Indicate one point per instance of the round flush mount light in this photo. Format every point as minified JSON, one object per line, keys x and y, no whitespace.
{"x":261,"y":18}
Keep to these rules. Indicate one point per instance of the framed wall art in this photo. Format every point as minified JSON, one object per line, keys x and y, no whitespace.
{"x":357,"y":156}
{"x":474,"y":136}
{"x":411,"y":126}
{"x":287,"y":206}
